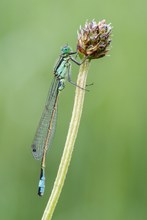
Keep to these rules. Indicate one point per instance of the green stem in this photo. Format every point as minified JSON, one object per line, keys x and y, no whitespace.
{"x":69,"y":144}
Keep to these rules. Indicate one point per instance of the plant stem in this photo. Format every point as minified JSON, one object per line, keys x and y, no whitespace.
{"x":69,"y":144}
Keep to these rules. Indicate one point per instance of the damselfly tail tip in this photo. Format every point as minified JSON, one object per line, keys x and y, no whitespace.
{"x":40,"y":192}
{"x":41,"y":186}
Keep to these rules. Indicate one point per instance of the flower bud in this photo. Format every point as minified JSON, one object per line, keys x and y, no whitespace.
{"x":94,"y":39}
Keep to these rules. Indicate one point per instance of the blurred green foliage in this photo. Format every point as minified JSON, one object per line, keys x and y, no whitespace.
{"x":107,"y":178}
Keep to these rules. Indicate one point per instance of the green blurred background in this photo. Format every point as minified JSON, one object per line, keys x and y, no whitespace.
{"x":107,"y":179}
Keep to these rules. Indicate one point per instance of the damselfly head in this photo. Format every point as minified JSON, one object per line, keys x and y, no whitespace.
{"x":66,"y":50}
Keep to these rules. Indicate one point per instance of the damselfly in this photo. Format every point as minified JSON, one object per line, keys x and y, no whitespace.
{"x":47,"y":124}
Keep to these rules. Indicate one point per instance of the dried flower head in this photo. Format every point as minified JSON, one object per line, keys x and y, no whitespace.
{"x":94,"y":39}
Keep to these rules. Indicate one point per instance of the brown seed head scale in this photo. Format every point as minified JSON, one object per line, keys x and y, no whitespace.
{"x":94,"y":39}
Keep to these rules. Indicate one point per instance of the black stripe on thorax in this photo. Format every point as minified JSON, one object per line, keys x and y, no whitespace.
{"x":61,"y":59}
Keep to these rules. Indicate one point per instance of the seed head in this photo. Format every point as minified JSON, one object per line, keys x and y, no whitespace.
{"x":94,"y":39}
